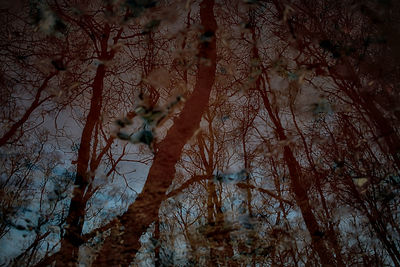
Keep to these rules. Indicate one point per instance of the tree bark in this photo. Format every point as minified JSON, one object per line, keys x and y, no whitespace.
{"x":121,"y":249}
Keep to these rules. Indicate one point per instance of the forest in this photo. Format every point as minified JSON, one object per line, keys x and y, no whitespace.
{"x":199,"y":133}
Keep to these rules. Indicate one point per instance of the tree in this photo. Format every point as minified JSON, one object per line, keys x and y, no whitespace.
{"x":207,"y":133}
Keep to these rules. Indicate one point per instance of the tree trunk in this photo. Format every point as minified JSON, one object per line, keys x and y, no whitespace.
{"x":76,"y":214}
{"x":121,"y":249}
{"x":301,"y":197}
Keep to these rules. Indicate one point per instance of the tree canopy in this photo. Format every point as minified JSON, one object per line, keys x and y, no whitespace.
{"x":199,"y":133}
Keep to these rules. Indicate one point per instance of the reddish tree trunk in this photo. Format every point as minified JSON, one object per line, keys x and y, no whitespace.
{"x":76,"y":214}
{"x":121,"y":249}
{"x":300,"y":193}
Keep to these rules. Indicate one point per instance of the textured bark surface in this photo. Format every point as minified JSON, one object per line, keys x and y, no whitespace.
{"x":121,"y":249}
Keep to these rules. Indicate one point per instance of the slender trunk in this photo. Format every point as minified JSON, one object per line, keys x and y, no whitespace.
{"x":121,"y":249}
{"x":76,"y":214}
{"x":303,"y":202}
{"x":300,"y":192}
{"x":70,"y":243}
{"x":211,"y":223}
{"x":218,"y":232}
{"x":250,"y":249}
{"x":331,"y":234}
